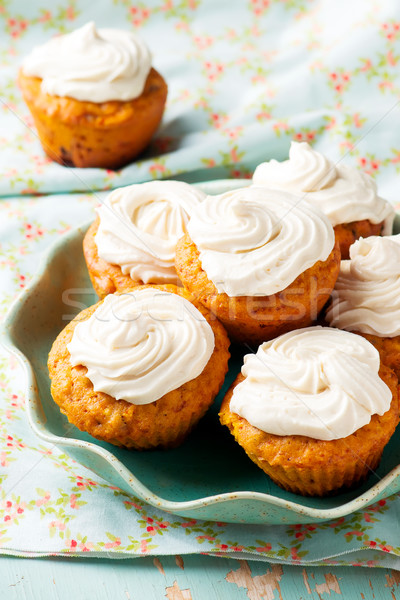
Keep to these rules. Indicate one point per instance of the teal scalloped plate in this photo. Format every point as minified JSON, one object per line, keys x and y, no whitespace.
{"x":209,"y":476}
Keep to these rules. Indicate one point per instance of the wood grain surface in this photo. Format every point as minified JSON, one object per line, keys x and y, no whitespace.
{"x":188,"y":578}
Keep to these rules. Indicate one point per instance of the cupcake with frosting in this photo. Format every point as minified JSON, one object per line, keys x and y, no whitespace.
{"x":347,"y":196}
{"x":260,"y":261}
{"x":95,"y":99}
{"x":139,"y":369}
{"x":314,"y":409}
{"x":133,"y":239}
{"x":366,"y":298}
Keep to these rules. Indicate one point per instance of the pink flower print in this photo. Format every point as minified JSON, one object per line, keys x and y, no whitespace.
{"x":154,"y":526}
{"x":234,"y":155}
{"x":396,"y":158}
{"x":58,"y":524}
{"x":137,"y":506}
{"x":139,"y":15}
{"x":214,"y":70}
{"x":46,"y":451}
{"x":337,"y":523}
{"x":189,"y":523}
{"x":157,"y":168}
{"x":231,"y":34}
{"x":371,"y":544}
{"x":210,"y":162}
{"x":203,"y":41}
{"x":10,"y":172}
{"x":72,"y":501}
{"x":16,"y":402}
{"x":293,"y":553}
{"x":385,"y":85}
{"x":32,"y":232}
{"x":86,"y":547}
{"x":259,"y":6}
{"x":280,"y":126}
{"x":43,"y":500}
{"x":70,"y":13}
{"x":29,"y":191}
{"x":385,"y":548}
{"x":168,"y":5}
{"x":391,"y":60}
{"x":222,"y":546}
{"x":367,"y":66}
{"x":114,"y":544}
{"x":390,"y":30}
{"x":17,"y":27}
{"x":263,"y":115}
{"x":265,"y":548}
{"x":11,"y":443}
{"x":258,"y":79}
{"x":210,"y":538}
{"x":218,"y":120}
{"x":182,"y":26}
{"x":354,"y":532}
{"x":84,"y":483}
{"x":46,"y":16}
{"x":13,"y":510}
{"x":143,"y":546}
{"x":237,"y":548}
{"x":370,"y":166}
{"x":234,"y":132}
{"x":367,"y":518}
{"x":72,"y":544}
{"x":3,"y":459}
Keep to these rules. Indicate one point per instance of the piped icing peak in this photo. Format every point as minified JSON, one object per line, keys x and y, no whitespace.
{"x":89,"y":64}
{"x":318,"y":382}
{"x":367,"y":292}
{"x":256,"y":241}
{"x":140,"y":345}
{"x":140,"y":226}
{"x":343,"y":193}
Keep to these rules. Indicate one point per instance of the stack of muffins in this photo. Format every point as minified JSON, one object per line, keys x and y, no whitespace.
{"x":181,"y":275}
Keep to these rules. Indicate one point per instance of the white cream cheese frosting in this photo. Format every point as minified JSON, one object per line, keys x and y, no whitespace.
{"x":343,"y":193}
{"x":91,"y":65}
{"x":140,"y":345}
{"x":318,"y":382}
{"x":256,"y":241}
{"x":367,"y":293}
{"x":140,"y":226}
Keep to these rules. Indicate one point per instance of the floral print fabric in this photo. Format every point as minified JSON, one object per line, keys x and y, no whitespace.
{"x":245,"y":78}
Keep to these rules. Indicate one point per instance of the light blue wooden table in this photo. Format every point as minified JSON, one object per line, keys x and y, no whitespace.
{"x":188,"y":578}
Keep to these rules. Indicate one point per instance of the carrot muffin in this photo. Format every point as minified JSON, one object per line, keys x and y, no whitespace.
{"x":346,"y":195}
{"x":366,"y":299}
{"x":134,"y":237}
{"x":139,"y":369}
{"x":95,"y":99}
{"x":313,"y":409}
{"x":262,"y":263}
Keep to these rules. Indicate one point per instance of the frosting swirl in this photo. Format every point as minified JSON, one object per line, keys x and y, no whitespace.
{"x":141,"y":345}
{"x":140,"y":225}
{"x":343,"y":193}
{"x":256,"y":241}
{"x":91,"y":65}
{"x":318,"y":382}
{"x":367,"y":292}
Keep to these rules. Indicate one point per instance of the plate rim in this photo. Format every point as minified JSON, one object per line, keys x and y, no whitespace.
{"x":34,"y":411}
